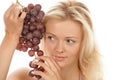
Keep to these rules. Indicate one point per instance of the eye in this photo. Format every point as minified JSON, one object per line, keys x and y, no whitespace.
{"x":50,"y":37}
{"x":70,"y":41}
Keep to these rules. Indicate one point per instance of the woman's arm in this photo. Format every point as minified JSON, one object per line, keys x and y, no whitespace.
{"x":7,"y":49}
{"x":20,"y":74}
{"x":13,"y":29}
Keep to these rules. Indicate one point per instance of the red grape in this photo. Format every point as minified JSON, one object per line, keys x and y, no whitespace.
{"x":32,"y":27}
{"x":30,"y":6}
{"x":36,"y":41}
{"x":26,"y":26}
{"x":31,"y":35}
{"x":24,"y":48}
{"x":25,"y":31}
{"x":31,"y":74}
{"x":19,"y":46}
{"x":22,"y":39}
{"x":29,"y":44}
{"x":37,"y":33}
{"x":38,"y":76}
{"x":38,"y":7}
{"x":32,"y":65}
{"x":41,"y":69}
{"x":31,"y":53}
{"x":39,"y":52}
{"x":33,"y":12}
{"x":35,"y":48}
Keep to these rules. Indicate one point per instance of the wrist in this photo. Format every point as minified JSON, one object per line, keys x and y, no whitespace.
{"x":12,"y":38}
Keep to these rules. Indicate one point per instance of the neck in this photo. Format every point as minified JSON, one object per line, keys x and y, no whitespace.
{"x":71,"y":73}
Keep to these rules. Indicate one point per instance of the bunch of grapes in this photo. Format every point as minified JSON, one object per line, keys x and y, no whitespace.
{"x":31,"y":35}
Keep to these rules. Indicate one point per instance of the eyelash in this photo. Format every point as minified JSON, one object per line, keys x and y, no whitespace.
{"x":70,"y":41}
{"x":50,"y":37}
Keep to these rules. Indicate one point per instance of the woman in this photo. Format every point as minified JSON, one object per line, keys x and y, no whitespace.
{"x":69,"y":44}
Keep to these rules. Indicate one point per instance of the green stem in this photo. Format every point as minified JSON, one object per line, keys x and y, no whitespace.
{"x":19,"y":3}
{"x":16,"y":1}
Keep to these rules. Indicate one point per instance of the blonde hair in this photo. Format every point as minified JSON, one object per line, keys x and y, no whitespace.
{"x":89,"y":59}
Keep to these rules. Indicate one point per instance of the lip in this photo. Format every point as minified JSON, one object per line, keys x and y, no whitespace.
{"x":59,"y":58}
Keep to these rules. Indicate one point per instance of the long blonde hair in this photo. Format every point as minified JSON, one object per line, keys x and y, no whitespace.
{"x":89,"y":59}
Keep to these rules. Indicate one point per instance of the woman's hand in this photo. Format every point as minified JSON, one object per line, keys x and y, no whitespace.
{"x":52,"y":71}
{"x":14,"y":22}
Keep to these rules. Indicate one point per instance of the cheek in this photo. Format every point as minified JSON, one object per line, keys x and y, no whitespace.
{"x":49,"y":48}
{"x":74,"y":51}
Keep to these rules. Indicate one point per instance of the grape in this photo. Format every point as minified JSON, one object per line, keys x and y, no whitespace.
{"x":32,"y":19}
{"x":37,"y":33}
{"x":39,"y":52}
{"x":30,"y":6}
{"x":32,"y":27}
{"x":31,"y":74}
{"x":36,"y":41}
{"x":19,"y":46}
{"x":38,"y":7}
{"x":24,"y":48}
{"x":39,"y":26}
{"x":26,"y":26}
{"x":25,"y":31}
{"x":31,"y":53}
{"x":42,"y":60}
{"x":29,"y":44}
{"x":39,"y":16}
{"x":32,"y":65}
{"x":33,"y":12}
{"x":43,"y":30}
{"x":35,"y":48}
{"x":31,"y":35}
{"x":38,"y":76}
{"x":22,"y":39}
{"x":41,"y":69}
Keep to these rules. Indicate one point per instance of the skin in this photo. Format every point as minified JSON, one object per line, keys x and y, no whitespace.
{"x":13,"y":28}
{"x":62,"y":46}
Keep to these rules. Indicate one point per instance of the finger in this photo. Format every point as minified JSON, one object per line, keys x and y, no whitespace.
{"x":44,"y":65}
{"x":51,"y":63}
{"x":46,"y":73}
{"x":12,"y":13}
{"x":56,"y":67}
{"x":55,"y":63}
{"x":42,"y":74}
{"x":17,"y":12}
{"x":22,"y":16}
{"x":7,"y":13}
{"x":50,"y":69}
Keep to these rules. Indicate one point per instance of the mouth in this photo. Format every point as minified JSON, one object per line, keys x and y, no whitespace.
{"x":59,"y":58}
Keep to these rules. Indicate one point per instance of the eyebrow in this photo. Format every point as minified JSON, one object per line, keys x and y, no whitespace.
{"x":50,"y":33}
{"x":69,"y":37}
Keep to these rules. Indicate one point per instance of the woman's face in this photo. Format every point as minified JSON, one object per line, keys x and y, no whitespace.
{"x":62,"y":41}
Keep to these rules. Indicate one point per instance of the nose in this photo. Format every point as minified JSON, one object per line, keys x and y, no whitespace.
{"x":60,"y":47}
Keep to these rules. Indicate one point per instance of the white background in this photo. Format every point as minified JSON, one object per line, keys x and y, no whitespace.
{"x":106,"y":19}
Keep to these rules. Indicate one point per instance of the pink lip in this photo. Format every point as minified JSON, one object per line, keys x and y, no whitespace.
{"x":59,"y":58}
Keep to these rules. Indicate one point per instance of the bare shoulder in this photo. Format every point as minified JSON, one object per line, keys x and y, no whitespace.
{"x":20,"y":74}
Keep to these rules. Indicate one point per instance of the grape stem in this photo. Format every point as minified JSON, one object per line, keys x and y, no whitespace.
{"x":35,"y":55}
{"x":19,"y":3}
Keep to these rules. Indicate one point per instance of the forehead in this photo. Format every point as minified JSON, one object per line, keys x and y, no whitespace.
{"x":64,"y":27}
